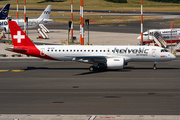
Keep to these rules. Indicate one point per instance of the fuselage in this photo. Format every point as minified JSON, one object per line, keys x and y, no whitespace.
{"x":129,"y":53}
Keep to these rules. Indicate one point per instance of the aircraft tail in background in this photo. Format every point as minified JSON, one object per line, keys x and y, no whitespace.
{"x":46,"y":13}
{"x":4,"y":11}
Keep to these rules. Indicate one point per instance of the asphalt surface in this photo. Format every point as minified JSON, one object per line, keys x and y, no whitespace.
{"x":125,"y":27}
{"x":36,"y":86}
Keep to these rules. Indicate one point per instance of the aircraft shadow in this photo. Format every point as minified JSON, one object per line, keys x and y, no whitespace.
{"x":46,"y":68}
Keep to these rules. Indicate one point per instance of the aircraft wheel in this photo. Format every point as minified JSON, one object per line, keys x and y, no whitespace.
{"x":154,"y":67}
{"x":92,"y":68}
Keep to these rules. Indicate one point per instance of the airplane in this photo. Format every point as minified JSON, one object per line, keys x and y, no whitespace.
{"x":4,"y":12}
{"x":110,"y":57}
{"x":43,"y":19}
{"x":165,"y":33}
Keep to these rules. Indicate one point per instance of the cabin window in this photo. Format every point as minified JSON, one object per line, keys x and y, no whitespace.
{"x":63,"y":50}
{"x":77,"y":50}
{"x":92,"y":50}
{"x":81,"y":50}
{"x":104,"y":50}
{"x":88,"y":50}
{"x":96,"y":50}
{"x":52,"y":50}
{"x":74,"y":50}
{"x":84,"y":50}
{"x":55,"y":50}
{"x":48,"y":50}
{"x":67,"y":50}
{"x":59,"y":50}
{"x":100,"y":50}
{"x":70,"y":50}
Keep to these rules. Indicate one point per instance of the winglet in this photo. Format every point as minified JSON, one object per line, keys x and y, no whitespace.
{"x":4,"y":11}
{"x":19,"y":38}
{"x":172,"y":25}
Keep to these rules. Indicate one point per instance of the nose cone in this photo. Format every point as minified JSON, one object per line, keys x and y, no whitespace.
{"x":139,"y":38}
{"x":173,"y":57}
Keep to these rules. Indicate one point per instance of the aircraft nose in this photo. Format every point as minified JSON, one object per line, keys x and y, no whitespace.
{"x":139,"y":38}
{"x":173,"y":57}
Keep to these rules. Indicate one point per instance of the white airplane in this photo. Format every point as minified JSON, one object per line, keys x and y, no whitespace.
{"x":43,"y":19}
{"x":112,"y":57}
{"x":165,"y":33}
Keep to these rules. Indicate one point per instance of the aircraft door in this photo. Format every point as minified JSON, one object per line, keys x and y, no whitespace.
{"x":42,"y":50}
{"x":154,"y":52}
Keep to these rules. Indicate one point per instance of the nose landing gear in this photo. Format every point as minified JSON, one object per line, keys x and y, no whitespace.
{"x":154,"y":67}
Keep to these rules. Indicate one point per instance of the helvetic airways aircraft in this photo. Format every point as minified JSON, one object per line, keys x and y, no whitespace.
{"x":112,"y":57}
{"x":43,"y":19}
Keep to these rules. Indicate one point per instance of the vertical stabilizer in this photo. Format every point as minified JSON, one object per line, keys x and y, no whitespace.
{"x":19,"y":38}
{"x":46,"y":13}
{"x":4,"y":11}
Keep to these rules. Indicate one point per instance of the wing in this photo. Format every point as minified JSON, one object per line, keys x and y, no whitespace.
{"x":98,"y":59}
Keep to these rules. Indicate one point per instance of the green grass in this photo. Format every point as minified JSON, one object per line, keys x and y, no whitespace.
{"x":132,"y":5}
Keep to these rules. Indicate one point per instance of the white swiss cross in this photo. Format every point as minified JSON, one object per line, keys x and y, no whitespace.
{"x":19,"y":36}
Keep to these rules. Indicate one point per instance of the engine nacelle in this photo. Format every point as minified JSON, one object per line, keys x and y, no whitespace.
{"x":115,"y":63}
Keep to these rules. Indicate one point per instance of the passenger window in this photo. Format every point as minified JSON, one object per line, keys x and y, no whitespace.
{"x":104,"y":50}
{"x":96,"y":50}
{"x":88,"y":50}
{"x":84,"y":50}
{"x":92,"y":50}
{"x":74,"y":50}
{"x":52,"y":50}
{"x":81,"y":50}
{"x":63,"y":50}
{"x":59,"y":50}
{"x":48,"y":50}
{"x":70,"y":50}
{"x":67,"y":50}
{"x":55,"y":50}
{"x":77,"y":50}
{"x":100,"y":50}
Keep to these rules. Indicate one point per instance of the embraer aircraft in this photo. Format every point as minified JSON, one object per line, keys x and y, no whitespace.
{"x":43,"y":19}
{"x":4,"y":12}
{"x":165,"y":33}
{"x":112,"y":57}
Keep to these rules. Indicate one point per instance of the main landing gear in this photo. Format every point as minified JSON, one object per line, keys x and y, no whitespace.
{"x":97,"y":66}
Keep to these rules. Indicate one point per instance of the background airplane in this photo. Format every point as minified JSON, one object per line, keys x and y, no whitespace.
{"x":165,"y":33}
{"x":4,"y":12}
{"x":110,"y":57}
{"x":43,"y":19}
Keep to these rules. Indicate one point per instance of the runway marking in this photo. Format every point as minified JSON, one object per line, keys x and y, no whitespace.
{"x":17,"y":70}
{"x":150,"y":93}
{"x":104,"y":25}
{"x":4,"y":70}
{"x":122,"y":25}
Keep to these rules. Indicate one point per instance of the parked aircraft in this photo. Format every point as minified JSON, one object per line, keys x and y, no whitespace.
{"x":43,"y":19}
{"x":4,"y":12}
{"x":165,"y":33}
{"x":112,"y":57}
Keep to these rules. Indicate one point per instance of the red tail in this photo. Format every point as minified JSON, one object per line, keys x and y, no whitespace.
{"x":172,"y":25}
{"x":19,"y":38}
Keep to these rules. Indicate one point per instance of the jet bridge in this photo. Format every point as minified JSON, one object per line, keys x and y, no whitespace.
{"x":157,"y":37}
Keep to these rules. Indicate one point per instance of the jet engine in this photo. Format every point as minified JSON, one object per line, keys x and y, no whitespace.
{"x":115,"y":63}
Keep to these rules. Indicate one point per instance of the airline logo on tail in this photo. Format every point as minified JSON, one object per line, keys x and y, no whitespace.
{"x":19,"y":36}
{"x":4,"y":11}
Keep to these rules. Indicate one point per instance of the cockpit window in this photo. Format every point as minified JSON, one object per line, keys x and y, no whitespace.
{"x":164,"y":50}
{"x":145,"y":34}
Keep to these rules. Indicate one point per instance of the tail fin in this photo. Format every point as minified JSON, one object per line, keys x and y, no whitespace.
{"x":46,"y":13}
{"x":19,"y":38}
{"x":4,"y":11}
{"x":172,"y":25}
